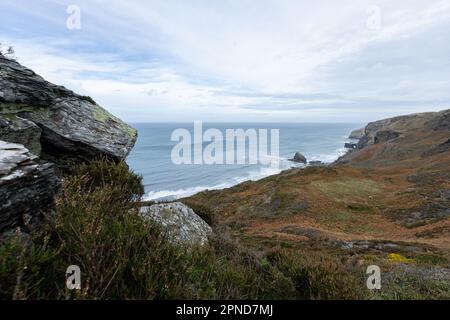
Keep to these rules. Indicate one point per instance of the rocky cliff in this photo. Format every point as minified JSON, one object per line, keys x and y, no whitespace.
{"x":27,"y":187}
{"x":42,"y":124}
{"x":63,"y":126}
{"x":402,"y":140}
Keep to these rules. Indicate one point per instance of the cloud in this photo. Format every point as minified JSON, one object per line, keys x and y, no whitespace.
{"x":241,"y":60}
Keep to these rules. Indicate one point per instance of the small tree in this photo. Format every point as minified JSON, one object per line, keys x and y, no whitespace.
{"x":10,"y":53}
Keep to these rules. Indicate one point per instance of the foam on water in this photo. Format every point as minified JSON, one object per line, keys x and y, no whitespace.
{"x":164,"y":180}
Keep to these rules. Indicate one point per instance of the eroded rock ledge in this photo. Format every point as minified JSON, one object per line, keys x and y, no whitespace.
{"x":27,"y":187}
{"x":73,"y":128}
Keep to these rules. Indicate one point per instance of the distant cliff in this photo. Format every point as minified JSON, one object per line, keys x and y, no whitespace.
{"x":417,"y":138}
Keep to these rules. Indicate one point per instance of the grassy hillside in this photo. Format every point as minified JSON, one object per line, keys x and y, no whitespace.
{"x":387,"y":203}
{"x":121,"y":256}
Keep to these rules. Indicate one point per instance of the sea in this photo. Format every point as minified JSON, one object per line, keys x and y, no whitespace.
{"x":164,"y":180}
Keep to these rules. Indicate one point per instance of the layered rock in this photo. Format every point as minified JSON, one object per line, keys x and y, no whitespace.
{"x":182,"y":225}
{"x":73,"y":128}
{"x":27,"y":187}
{"x":357,"y":134}
{"x":350,"y":146}
{"x":404,"y":138}
{"x":18,"y":130}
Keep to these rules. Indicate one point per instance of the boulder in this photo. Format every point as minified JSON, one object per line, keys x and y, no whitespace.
{"x":300,"y":158}
{"x":316,"y":164}
{"x":17,"y":130}
{"x":183,"y":226}
{"x":27,"y":187}
{"x":357,"y":134}
{"x":74,"y":127}
{"x":351,"y":145}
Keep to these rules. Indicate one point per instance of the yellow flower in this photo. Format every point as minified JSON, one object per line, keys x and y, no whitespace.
{"x":398,"y":258}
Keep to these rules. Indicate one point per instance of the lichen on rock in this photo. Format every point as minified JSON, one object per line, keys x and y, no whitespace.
{"x":182,"y":225}
{"x":18,"y":130}
{"x":74,"y":128}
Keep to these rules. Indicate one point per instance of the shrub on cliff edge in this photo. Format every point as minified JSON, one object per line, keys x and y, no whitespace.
{"x":98,"y":228}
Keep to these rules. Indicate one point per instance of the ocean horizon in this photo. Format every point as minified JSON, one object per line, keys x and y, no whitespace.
{"x":164,"y":180}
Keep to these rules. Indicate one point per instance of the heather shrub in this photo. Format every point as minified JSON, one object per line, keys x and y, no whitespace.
{"x":126,"y":185}
{"x":120,"y":255}
{"x":316,"y":276}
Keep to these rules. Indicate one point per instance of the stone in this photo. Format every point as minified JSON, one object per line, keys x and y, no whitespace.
{"x":351,"y":146}
{"x":18,"y":130}
{"x":27,"y":187}
{"x":73,"y":128}
{"x":182,"y":225}
{"x":357,"y":134}
{"x":300,"y":158}
{"x":316,"y":163}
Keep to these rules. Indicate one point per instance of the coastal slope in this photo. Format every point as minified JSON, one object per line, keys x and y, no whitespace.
{"x":388,"y":198}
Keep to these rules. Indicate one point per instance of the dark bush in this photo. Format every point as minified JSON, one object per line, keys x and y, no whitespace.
{"x":316,"y":276}
{"x":98,"y":174}
{"x":120,"y":255}
{"x":201,"y":210}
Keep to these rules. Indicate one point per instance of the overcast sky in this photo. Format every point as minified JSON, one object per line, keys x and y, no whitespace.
{"x":241,"y":60}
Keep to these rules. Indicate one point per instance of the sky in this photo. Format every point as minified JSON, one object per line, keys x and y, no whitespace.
{"x":242,"y":60}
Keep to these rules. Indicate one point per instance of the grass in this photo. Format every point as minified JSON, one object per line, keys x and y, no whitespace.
{"x":317,"y":276}
{"x":96,"y":226}
{"x":348,"y":190}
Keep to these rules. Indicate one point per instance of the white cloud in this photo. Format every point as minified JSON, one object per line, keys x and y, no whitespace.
{"x":244,"y":60}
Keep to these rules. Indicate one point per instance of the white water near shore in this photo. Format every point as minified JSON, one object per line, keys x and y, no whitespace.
{"x":165,"y":181}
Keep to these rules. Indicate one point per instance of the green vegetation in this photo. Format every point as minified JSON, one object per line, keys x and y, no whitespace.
{"x":317,"y":276}
{"x":346,"y":190}
{"x":97,"y":227}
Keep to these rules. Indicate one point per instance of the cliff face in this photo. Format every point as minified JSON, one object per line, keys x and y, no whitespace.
{"x":407,"y":140}
{"x":42,"y":124}
{"x":71,"y":128}
{"x":27,"y":187}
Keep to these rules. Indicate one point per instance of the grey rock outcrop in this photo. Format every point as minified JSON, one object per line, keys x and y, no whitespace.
{"x":299,"y":158}
{"x":357,"y":134}
{"x":74,"y":128}
{"x":395,"y":139}
{"x":316,"y":164}
{"x":17,"y":130}
{"x":27,"y":187}
{"x":350,"y":146}
{"x":183,"y":226}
